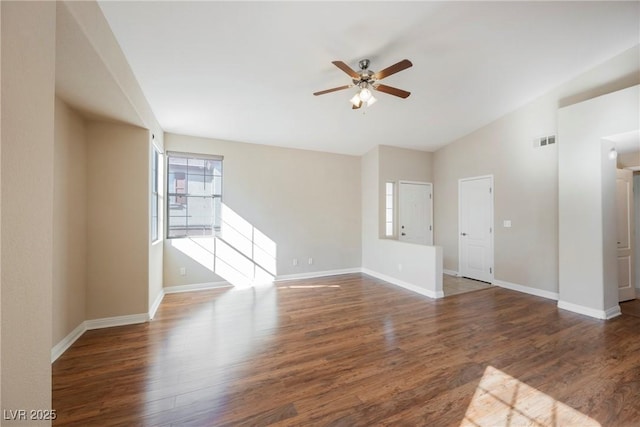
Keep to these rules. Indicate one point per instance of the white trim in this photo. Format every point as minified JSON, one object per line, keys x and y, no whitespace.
{"x":67,"y":341}
{"x":591,"y":312}
{"x":527,"y":290}
{"x":195,"y":287}
{"x":450,"y":273}
{"x":613,"y":312}
{"x":156,"y":305}
{"x":108,"y":322}
{"x":403,"y":284}
{"x":315,"y":274}
{"x":87,"y":325}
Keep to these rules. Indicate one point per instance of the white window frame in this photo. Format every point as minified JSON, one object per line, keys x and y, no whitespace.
{"x":156,"y":194}
{"x":389,"y":209}
{"x":215,"y":215}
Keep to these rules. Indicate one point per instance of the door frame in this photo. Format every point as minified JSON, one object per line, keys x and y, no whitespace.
{"x":430,"y":185}
{"x":492,"y":270}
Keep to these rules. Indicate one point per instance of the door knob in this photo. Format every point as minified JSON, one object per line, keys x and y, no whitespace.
{"x":404,"y":234}
{"x":463,"y":234}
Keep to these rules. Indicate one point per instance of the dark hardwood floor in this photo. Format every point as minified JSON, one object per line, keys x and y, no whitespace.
{"x":353,"y":351}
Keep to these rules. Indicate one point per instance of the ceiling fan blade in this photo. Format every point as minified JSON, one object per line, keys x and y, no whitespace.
{"x":322,"y":92}
{"x":392,"y":90}
{"x":402,"y":65}
{"x":344,"y":67}
{"x":355,"y":107}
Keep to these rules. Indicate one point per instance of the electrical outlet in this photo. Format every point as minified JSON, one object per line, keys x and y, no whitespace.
{"x":399,"y":267}
{"x":183,"y":271}
{"x":295,"y":261}
{"x":310,"y":261}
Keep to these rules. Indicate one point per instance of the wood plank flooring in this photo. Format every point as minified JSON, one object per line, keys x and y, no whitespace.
{"x":452,"y":285}
{"x":353,"y":351}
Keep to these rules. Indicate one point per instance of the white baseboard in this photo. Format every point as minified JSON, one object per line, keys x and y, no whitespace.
{"x":156,"y":304}
{"x":315,"y":274}
{"x":527,"y":289}
{"x":613,"y":312}
{"x":451,"y":273}
{"x":108,"y":322}
{"x":403,"y":284}
{"x":591,"y":312}
{"x":67,"y":341}
{"x":195,"y":287}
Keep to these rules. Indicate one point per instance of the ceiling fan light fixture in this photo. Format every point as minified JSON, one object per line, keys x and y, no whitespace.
{"x":366,"y":81}
{"x":365,"y":94}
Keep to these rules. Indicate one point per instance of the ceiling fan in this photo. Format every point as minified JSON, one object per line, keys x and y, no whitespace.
{"x":366,"y":80}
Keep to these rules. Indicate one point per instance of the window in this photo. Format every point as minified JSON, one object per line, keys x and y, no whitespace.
{"x":194,"y":191}
{"x":155,"y":194}
{"x":388,"y":229}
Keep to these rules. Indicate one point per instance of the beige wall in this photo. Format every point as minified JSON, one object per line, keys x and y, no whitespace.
{"x":525,"y":179}
{"x":118,"y":220}
{"x":94,"y":77}
{"x":69,"y":222}
{"x":28,"y":64}
{"x":587,"y":192}
{"x":415,"y":267}
{"x":307,"y":202}
{"x":400,"y":164}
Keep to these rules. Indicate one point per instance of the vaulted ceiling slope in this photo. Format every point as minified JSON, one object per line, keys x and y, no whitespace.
{"x":246,"y":71}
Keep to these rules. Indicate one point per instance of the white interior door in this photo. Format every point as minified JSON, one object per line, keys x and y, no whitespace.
{"x":415,"y":212}
{"x":625,"y":234}
{"x":475,"y":227}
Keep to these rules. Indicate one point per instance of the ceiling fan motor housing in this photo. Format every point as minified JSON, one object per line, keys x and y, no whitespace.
{"x":366,"y":75}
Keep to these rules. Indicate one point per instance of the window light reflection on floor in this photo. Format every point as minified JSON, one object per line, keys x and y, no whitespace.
{"x":501,"y":400}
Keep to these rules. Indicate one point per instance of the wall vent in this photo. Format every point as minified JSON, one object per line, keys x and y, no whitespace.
{"x":543,"y":141}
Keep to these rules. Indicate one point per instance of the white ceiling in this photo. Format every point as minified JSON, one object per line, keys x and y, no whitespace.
{"x":246,"y":71}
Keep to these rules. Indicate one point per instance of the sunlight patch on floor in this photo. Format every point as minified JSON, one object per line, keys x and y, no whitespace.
{"x":501,"y":400}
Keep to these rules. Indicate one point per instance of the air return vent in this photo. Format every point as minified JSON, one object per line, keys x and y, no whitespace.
{"x":543,"y":141}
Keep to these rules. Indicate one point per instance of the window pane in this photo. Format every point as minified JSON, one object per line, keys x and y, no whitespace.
{"x":389,"y":215}
{"x":196,"y":185}
{"x":176,"y":161}
{"x":217,"y":186}
{"x":199,"y":206}
{"x":217,"y":167}
{"x":389,"y":230}
{"x":177,"y":203}
{"x":217,"y":212}
{"x":191,"y":207}
{"x":195,"y":167}
{"x":154,"y":228}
